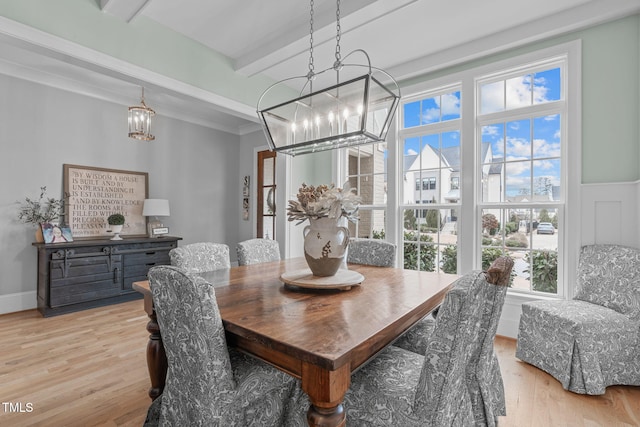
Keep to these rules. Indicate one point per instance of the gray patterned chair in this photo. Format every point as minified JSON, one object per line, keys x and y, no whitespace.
{"x":372,"y":252}
{"x":417,"y":337}
{"x":593,"y":340}
{"x":201,"y":257}
{"x":256,"y":251}
{"x":456,"y":383}
{"x":208,"y":385}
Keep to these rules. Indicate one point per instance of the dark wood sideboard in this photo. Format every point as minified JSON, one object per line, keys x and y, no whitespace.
{"x":91,"y":273}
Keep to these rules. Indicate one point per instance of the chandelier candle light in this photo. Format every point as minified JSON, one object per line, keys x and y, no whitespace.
{"x":354,"y":109}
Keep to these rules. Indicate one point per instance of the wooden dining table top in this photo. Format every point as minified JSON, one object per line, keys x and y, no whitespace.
{"x":329,"y":328}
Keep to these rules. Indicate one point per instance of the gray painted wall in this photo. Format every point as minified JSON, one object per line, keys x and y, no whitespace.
{"x":41,"y":128}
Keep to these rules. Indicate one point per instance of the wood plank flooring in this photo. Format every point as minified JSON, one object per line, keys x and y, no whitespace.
{"x":89,"y":369}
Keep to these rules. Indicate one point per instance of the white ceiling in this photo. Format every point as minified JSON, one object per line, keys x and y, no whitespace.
{"x":404,"y":37}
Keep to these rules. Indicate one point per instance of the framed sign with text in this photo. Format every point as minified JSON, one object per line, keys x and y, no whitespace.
{"x":92,"y":194}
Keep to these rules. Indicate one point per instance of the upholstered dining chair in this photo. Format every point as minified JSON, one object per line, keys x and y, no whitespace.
{"x":593,"y":340}
{"x":207,"y":384}
{"x":456,"y":383}
{"x":372,"y":252}
{"x":256,"y":251}
{"x":201,"y":257}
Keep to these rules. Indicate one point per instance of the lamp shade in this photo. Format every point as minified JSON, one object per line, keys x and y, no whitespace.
{"x":155,"y":207}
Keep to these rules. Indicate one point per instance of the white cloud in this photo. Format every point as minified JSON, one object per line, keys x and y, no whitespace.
{"x":543,"y":148}
{"x":450,"y":105}
{"x":490,"y":130}
{"x":431,"y":115}
{"x":411,"y":152}
{"x":518,"y":148}
{"x":516,"y":91}
{"x":515,"y":170}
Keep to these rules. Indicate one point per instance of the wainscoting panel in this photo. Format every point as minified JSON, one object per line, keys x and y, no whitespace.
{"x":610,"y":214}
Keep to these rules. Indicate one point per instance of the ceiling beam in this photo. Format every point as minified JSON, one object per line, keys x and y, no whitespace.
{"x":123,"y":9}
{"x":354,"y":14}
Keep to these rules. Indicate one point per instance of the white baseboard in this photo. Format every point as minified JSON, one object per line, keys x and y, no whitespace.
{"x":18,"y":302}
{"x":510,"y":319}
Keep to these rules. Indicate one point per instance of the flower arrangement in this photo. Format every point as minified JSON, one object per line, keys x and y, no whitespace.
{"x":324,"y":201}
{"x":41,"y":210}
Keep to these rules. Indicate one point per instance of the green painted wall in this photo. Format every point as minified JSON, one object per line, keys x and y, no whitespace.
{"x":610,"y":97}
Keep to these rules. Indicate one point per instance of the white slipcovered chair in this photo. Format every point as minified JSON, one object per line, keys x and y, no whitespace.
{"x":593,"y":340}
{"x":256,"y":251}
{"x":201,"y":257}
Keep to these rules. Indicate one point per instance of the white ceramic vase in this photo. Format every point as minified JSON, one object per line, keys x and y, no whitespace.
{"x":325,"y":245}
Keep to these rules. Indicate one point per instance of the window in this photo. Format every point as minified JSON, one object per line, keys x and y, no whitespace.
{"x":266,"y":185}
{"x":455,"y":183}
{"x":430,"y":141}
{"x":521,"y":171}
{"x":427,"y":184}
{"x":366,"y":171}
{"x":504,"y":167}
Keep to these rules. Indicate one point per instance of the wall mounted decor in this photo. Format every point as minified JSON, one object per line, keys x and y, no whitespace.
{"x":95,"y":193}
{"x":245,"y":198}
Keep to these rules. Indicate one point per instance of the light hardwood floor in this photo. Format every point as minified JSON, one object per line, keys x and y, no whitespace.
{"x":89,"y":368}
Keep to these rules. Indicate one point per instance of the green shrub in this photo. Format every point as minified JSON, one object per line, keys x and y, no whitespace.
{"x":433,"y":219}
{"x":489,"y":255}
{"x":409,"y":219}
{"x":544,"y":271}
{"x":426,"y":261}
{"x":515,"y":243}
{"x":511,"y":227}
{"x":450,"y":259}
{"x":378,"y":234}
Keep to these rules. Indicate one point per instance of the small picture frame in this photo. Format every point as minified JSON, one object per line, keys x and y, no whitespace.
{"x":159,"y":231}
{"x":54,"y":233}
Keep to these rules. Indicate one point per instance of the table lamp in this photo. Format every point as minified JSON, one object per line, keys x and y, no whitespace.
{"x":155,"y":208}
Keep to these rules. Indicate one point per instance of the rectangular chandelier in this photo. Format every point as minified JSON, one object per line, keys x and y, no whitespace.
{"x":354,"y":112}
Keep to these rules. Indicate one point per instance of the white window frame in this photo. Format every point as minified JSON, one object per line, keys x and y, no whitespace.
{"x":469,"y":208}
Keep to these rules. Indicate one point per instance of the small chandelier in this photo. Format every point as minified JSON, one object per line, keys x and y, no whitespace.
{"x":140,"y":121}
{"x":353,"y":109}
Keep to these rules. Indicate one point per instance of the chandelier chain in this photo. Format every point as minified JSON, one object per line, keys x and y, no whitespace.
{"x":311,"y":66}
{"x":338,"y":33}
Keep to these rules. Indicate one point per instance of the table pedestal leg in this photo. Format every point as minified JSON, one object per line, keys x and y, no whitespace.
{"x":320,"y":417}
{"x":156,"y":358}
{"x":325,"y":389}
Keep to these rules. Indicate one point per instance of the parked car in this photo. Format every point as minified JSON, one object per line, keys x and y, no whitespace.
{"x":546,"y":228}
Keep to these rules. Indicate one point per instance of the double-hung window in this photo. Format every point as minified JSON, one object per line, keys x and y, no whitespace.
{"x":520,"y":169}
{"x":430,"y":154}
{"x":495,"y":153}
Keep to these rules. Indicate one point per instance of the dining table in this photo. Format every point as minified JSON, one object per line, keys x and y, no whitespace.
{"x":319,"y":334}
